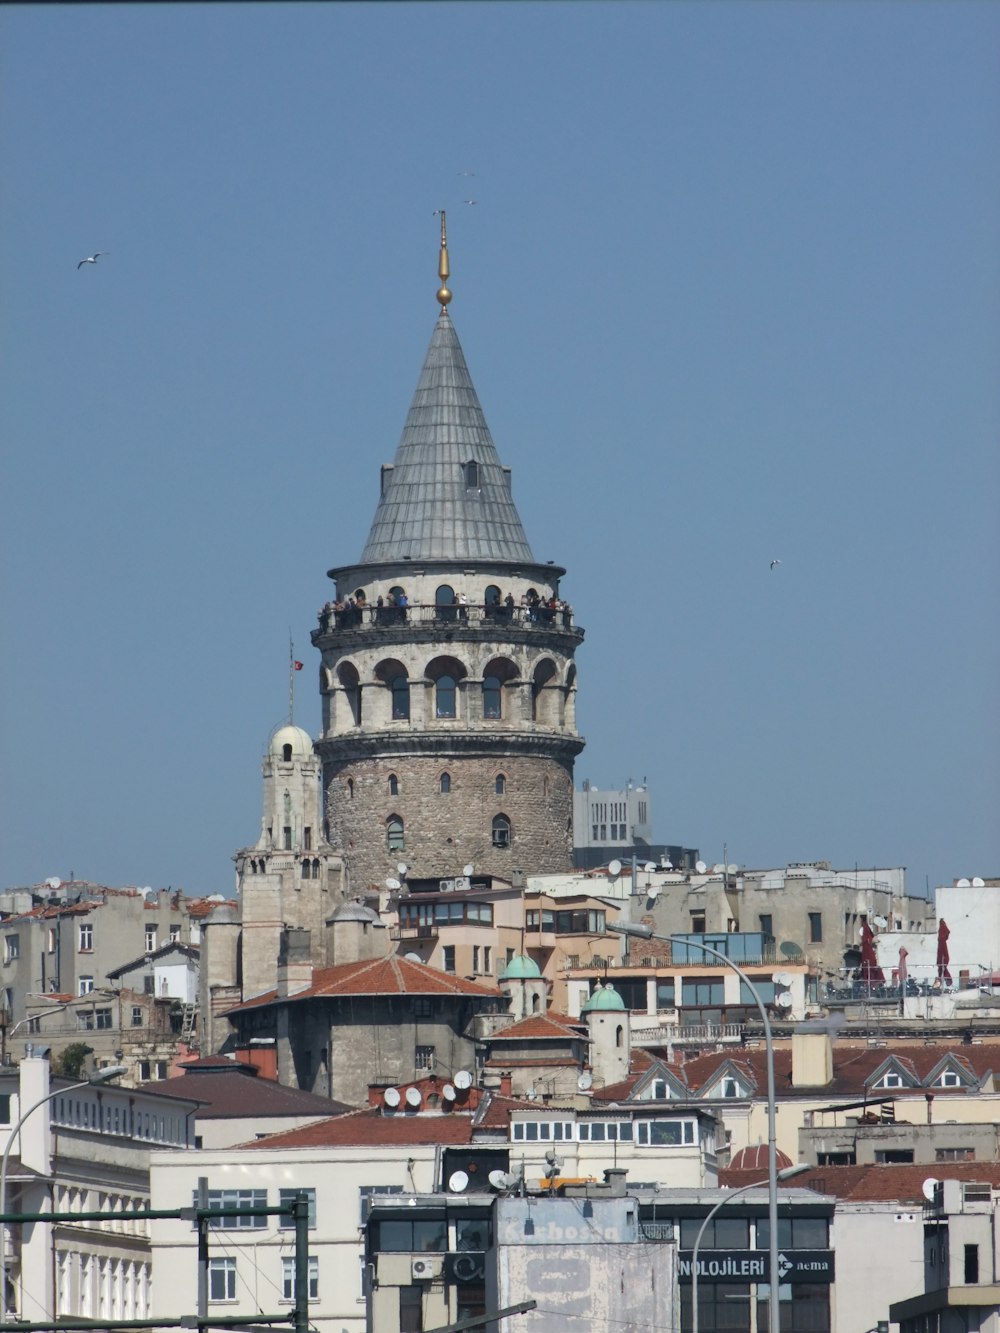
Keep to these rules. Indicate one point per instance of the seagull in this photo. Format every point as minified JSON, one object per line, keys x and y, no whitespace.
{"x":92,"y":259}
{"x":773,"y":563}
{"x":470,"y":201}
{"x":465,"y":173}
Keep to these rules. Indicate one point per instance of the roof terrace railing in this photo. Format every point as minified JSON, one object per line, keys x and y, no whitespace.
{"x":542,"y":617}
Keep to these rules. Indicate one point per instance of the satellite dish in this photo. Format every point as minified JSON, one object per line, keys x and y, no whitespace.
{"x":733,"y":870}
{"x":391,"y":1097}
{"x":463,"y":1080}
{"x":393,"y":884}
{"x":413,"y":1097}
{"x":719,"y":869}
{"x":668,"y":865}
{"x":649,"y":867}
{"x":978,"y":882}
{"x":470,"y":869}
{"x":928,"y":1188}
{"x":448,"y":1092}
{"x":498,"y":1179}
{"x":790,"y":949}
{"x":614,"y":868}
{"x":553,"y":1158}
{"x":701,"y":867}
{"x":531,"y":1093}
{"x":402,"y":868}
{"x":458,"y":1181}
{"x":784,"y":1000}
{"x":585,"y":1082}
{"x":782,"y":979}
{"x":653,"y":893}
{"x":962,"y":884}
{"x":413,"y":958}
{"x":53,"y":882}
{"x":880,"y":921}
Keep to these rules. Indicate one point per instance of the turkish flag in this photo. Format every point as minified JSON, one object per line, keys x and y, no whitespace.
{"x":297,"y":666}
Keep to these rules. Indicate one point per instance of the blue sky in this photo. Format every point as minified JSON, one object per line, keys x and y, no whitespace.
{"x":729,"y":292}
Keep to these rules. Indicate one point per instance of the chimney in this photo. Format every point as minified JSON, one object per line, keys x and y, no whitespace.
{"x":812,"y":1060}
{"x":505,"y":1085}
{"x":294,"y":962}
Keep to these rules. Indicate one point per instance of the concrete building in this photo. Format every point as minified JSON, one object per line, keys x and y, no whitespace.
{"x":85,"y":1150}
{"x":447,"y":677}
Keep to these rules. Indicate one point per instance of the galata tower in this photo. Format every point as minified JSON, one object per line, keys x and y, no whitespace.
{"x":448,"y":682}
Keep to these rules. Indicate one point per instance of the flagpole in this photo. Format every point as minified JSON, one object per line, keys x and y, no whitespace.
{"x":291,"y":680}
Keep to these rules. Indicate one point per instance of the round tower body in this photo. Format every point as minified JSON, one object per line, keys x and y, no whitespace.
{"x":447,"y":676}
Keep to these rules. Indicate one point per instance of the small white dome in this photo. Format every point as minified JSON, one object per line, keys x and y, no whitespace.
{"x":299,"y":740}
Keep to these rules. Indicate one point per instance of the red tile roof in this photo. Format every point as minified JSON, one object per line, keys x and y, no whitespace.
{"x":391,"y":975}
{"x":891,"y":1183}
{"x":545,"y":1026}
{"x":371,"y":1128}
{"x":234,"y":1092}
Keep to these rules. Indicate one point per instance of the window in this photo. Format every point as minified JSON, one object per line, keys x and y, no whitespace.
{"x":411,"y":1306}
{"x":394,"y":840}
{"x":236,"y":1199}
{"x":724,"y":1233}
{"x":949,"y":1079}
{"x":971,"y":1263}
{"x":475,"y":958}
{"x":307,"y":842}
{"x":144,"y":1071}
{"x":766,"y":923}
{"x":501,"y":831}
{"x":730,"y":1088}
{"x":795,"y":1233}
{"x":954,"y":1155}
{"x":487,"y":958}
{"x":175,"y":934}
{"x":533,"y":1131}
{"x":13,"y":947}
{"x":86,"y":938}
{"x":500,"y":786}
{"x":664,"y":1133}
{"x":891,"y":1079}
{"x":449,"y":957}
{"x":137,"y":1015}
{"x":883,"y":1155}
{"x":429,"y":1236}
{"x":697,"y":923}
{"x":287,"y":831}
{"x":85,"y":985}
{"x":491,"y":696}
{"x":85,"y":1021}
{"x":222,"y":1279}
{"x":150,"y":939}
{"x":288,"y":1277}
{"x":286,"y":754}
{"x":472,"y":475}
{"x":444,"y":697}
{"x":287,"y":1223}
{"x":445,"y":783}
{"x":103,"y":1017}
{"x":815,"y":927}
{"x":393,"y":785}
{"x":702,"y":991}
{"x":51,"y":939}
{"x":423,"y":1059}
{"x":400,"y":687}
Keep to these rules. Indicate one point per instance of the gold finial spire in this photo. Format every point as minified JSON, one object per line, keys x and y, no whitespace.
{"x":444,"y":295}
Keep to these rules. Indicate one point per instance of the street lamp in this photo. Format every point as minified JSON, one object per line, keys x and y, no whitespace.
{"x":785,"y":1173}
{"x":643,"y":932}
{"x":102,"y":1076}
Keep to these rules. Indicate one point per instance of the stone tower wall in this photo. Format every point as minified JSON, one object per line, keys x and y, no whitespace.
{"x":445,"y":831}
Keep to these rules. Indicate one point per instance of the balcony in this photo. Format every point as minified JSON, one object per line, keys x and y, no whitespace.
{"x":418,"y":932}
{"x":418,"y":616}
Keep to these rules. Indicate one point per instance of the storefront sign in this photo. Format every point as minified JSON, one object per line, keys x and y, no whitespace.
{"x":752,"y":1265}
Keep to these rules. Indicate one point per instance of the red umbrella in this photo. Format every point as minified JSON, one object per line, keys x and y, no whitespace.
{"x":869,"y":970}
{"x":942,"y":952}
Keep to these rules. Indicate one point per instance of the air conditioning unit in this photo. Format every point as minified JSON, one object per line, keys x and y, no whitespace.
{"x":427,"y":1267}
{"x":463,"y":882}
{"x":446,"y":885}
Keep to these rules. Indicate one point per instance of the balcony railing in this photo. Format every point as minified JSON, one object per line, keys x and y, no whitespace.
{"x":396,"y":618}
{"x":417,"y":932}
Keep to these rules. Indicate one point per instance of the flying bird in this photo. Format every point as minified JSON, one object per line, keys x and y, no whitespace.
{"x":773,"y":563}
{"x":470,"y":201}
{"x":92,"y":259}
{"x":465,"y":173}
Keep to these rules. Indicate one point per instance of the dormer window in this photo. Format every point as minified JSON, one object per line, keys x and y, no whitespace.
{"x":658,"y":1091}
{"x":730,"y":1088}
{"x":949,"y":1079}
{"x":891,"y":1079}
{"x":471,"y":475}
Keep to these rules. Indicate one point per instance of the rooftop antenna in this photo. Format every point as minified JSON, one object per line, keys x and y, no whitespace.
{"x":443,"y":295}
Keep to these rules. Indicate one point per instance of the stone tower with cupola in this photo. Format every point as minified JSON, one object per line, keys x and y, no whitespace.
{"x":447,"y":677}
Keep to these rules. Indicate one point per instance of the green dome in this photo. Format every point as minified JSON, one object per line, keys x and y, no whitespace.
{"x":604,"y":997}
{"x":521,"y":968}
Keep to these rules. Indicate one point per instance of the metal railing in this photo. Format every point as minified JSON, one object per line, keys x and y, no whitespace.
{"x":356,"y":617}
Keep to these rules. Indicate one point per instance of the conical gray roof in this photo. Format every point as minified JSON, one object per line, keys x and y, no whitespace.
{"x":427,"y":510}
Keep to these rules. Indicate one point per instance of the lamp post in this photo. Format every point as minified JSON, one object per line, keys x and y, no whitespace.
{"x":102,"y":1076}
{"x":785,"y":1174}
{"x":647,"y":933}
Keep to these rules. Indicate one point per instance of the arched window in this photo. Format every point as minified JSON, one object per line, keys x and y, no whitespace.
{"x":491,"y":696}
{"x":394,"y":833}
{"x":305,"y":870}
{"x":286,"y":753}
{"x":500,"y":785}
{"x":501,"y":831}
{"x":350,"y":789}
{"x":445,"y":783}
{"x":393,"y":785}
{"x":472,"y":475}
{"x":315,"y":869}
{"x":350,"y":683}
{"x":400,"y":687}
{"x":619,"y":1035}
{"x":491,"y":600}
{"x":444,"y":701}
{"x":444,"y":602}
